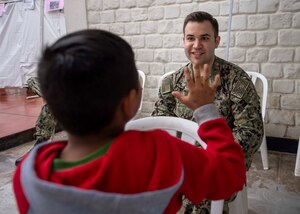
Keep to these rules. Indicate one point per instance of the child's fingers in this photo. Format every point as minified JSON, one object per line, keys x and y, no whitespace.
{"x":188,"y":77}
{"x":205,"y":74}
{"x":182,"y":98}
{"x":197,"y":76}
{"x":216,"y":82}
{"x":179,"y":96}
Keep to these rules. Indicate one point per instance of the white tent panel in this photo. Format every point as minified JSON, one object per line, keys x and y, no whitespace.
{"x":21,"y":34}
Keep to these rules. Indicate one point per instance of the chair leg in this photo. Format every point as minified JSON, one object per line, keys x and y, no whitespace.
{"x":264,"y":153}
{"x":217,"y":207}
{"x":240,"y":203}
{"x":297,"y":165}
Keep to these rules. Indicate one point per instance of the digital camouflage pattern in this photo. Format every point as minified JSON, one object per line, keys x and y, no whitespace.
{"x":237,"y":101}
{"x":33,"y":84}
{"x":203,"y":208}
{"x":45,"y":124}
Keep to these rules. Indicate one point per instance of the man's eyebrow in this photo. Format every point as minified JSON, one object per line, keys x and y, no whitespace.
{"x":189,"y":35}
{"x":202,"y":35}
{"x":206,"y":34}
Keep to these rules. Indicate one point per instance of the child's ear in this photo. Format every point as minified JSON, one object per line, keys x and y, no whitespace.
{"x":130,"y":104}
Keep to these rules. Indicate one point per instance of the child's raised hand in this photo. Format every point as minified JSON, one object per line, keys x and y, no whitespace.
{"x":200,"y":91}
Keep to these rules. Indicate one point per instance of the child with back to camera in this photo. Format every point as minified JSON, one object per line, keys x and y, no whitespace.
{"x":90,"y":82}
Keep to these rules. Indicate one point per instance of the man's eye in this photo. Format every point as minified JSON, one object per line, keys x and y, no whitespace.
{"x":190,"y":38}
{"x":205,"y":38}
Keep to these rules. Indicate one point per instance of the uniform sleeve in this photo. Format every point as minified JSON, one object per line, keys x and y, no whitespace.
{"x":217,"y":172}
{"x":248,"y":124}
{"x":166,"y":102}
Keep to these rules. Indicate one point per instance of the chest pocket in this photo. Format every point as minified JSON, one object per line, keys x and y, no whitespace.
{"x":182,"y":110}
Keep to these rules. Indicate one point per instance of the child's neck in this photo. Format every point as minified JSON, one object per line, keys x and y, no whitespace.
{"x":79,"y":147}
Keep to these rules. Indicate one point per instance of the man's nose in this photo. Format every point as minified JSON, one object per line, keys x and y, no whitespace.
{"x":197,"y":43}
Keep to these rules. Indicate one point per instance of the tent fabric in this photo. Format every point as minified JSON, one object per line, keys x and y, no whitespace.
{"x":23,"y":34}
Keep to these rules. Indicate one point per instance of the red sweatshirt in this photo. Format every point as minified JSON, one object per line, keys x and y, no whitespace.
{"x":142,"y":172}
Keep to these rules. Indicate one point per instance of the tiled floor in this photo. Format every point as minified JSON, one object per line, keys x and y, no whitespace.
{"x":17,"y":112}
{"x":276,"y":190}
{"x":273,"y":191}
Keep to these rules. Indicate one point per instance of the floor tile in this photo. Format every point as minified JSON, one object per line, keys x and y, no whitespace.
{"x":267,"y":194}
{"x":286,"y":175}
{"x":28,"y":108}
{"x":11,"y":124}
{"x":17,"y":114}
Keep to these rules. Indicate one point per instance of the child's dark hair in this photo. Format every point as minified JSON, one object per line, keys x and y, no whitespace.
{"x":201,"y":16}
{"x":84,"y":76}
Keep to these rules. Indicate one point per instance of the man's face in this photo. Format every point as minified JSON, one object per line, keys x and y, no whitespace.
{"x":199,"y":42}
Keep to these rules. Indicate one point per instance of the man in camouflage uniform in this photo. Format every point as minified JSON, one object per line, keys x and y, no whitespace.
{"x":45,"y":124}
{"x":235,"y":97}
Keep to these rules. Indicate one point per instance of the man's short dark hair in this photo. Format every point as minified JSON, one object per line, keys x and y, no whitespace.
{"x":201,"y":16}
{"x":84,"y":76}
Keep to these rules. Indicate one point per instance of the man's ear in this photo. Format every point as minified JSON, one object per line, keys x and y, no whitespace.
{"x":218,"y":39}
{"x":130,"y":104}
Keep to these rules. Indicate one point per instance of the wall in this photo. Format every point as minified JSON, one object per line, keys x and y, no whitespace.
{"x":265,"y":38}
{"x":75,"y":15}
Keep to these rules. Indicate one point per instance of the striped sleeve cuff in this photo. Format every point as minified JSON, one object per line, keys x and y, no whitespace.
{"x":205,"y":113}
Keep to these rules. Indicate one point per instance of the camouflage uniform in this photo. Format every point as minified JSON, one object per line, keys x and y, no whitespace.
{"x":237,"y":101}
{"x":45,"y":124}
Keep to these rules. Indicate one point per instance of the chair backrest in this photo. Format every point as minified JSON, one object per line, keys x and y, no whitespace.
{"x":142,"y":79}
{"x":254,"y":76}
{"x":179,"y":127}
{"x":163,"y":76}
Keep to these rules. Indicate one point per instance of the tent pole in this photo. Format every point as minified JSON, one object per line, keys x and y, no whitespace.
{"x":230,"y":3}
{"x":41,"y":24}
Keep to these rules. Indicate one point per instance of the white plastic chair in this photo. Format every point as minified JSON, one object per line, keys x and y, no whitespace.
{"x":174,"y":125}
{"x":254,"y":76}
{"x":163,"y":76}
{"x":297,"y":165}
{"x":240,"y":204}
{"x":263,"y":148}
{"x":142,"y":79}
